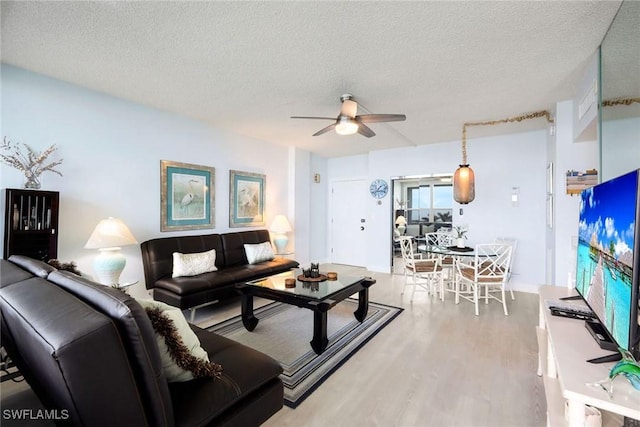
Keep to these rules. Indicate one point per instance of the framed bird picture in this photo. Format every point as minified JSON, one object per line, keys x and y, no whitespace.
{"x":246,"y":199}
{"x":188,"y":196}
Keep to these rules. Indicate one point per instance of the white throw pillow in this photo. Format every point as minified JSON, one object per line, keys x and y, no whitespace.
{"x":172,"y":371}
{"x":258,"y":253}
{"x":193,"y":264}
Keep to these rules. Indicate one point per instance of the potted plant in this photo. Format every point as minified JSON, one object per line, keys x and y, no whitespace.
{"x":460,"y":233}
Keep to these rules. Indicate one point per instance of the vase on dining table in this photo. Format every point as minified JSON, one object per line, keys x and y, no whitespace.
{"x":460,"y":242}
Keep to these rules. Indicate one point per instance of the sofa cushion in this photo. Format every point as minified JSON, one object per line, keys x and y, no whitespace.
{"x":134,"y":325}
{"x":177,"y":365}
{"x":259,"y":252}
{"x":193,"y":264}
{"x":157,"y":254}
{"x":188,"y":285}
{"x":10,"y":273}
{"x":225,"y":278}
{"x":266,"y":268}
{"x":233,"y":244}
{"x":245,"y":371}
{"x":33,"y":266}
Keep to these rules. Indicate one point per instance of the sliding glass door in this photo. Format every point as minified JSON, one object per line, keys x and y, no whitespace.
{"x":421,"y":205}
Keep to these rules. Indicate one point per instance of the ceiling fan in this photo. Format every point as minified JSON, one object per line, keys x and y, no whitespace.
{"x":348,"y":122}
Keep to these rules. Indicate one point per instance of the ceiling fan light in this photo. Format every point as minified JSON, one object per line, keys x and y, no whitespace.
{"x":346,"y":126}
{"x":349,"y":107}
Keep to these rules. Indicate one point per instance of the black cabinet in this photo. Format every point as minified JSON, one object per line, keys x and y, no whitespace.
{"x":31,"y":223}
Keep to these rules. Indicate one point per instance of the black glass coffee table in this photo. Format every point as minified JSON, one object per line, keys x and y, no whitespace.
{"x":319,"y":297}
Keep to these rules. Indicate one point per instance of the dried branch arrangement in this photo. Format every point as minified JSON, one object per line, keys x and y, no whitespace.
{"x":31,"y":163}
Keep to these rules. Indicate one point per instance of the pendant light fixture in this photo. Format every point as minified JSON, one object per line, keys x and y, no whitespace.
{"x":464,"y":181}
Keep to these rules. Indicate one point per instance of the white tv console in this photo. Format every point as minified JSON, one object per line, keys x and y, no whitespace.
{"x":564,"y":346}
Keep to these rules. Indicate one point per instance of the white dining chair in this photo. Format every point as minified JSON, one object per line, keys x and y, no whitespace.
{"x":444,"y":239}
{"x":488,"y":273}
{"x":425,"y":271}
{"x":513,"y":243}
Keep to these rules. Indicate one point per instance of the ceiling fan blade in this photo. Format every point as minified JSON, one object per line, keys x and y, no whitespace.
{"x":366,"y":131}
{"x":349,"y":108}
{"x":377,"y":118}
{"x":318,"y":118}
{"x":325,"y":130}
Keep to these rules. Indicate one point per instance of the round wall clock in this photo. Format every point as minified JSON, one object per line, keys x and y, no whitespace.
{"x":379,"y":188}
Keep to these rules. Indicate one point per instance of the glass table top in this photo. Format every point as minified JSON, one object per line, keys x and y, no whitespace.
{"x":315,"y":290}
{"x":446,"y":250}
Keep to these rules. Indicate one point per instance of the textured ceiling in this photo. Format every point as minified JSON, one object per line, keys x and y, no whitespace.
{"x":246,"y":67}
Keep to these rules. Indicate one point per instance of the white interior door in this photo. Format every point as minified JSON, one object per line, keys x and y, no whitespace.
{"x":348,"y":226}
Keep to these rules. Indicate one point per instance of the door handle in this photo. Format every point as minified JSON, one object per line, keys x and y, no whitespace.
{"x":361,"y":228}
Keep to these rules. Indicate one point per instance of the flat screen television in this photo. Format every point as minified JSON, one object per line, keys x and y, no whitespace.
{"x":607,"y":271}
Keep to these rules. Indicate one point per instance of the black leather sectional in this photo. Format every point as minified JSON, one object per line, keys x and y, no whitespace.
{"x":89,"y":352}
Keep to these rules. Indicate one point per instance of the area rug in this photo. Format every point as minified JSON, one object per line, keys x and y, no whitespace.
{"x":284,"y":332}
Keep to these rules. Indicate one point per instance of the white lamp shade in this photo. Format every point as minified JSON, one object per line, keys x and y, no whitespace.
{"x":401,"y":220}
{"x":110,"y":233}
{"x":108,"y":236}
{"x":280,"y":224}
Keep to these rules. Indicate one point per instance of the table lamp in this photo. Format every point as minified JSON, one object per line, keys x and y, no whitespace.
{"x":108,"y":236}
{"x":401,"y":222}
{"x":280,"y":227}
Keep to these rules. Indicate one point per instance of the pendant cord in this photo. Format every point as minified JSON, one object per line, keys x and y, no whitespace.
{"x":534,"y":115}
{"x":464,"y":144}
{"x":623,"y":101}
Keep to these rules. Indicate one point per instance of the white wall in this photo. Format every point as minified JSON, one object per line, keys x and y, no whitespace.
{"x":500,"y":163}
{"x":112,"y":151}
{"x":620,"y":146}
{"x":310,"y":201}
{"x":550,"y":207}
{"x":318,"y":199}
{"x":569,"y":155}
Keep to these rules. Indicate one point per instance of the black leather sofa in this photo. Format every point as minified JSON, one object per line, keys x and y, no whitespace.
{"x":231,"y":261}
{"x":89,"y":353}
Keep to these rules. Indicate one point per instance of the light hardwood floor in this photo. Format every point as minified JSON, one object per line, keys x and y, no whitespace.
{"x":436,"y":364}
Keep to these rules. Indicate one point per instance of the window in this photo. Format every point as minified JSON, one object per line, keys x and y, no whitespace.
{"x":426,"y":203}
{"x":418,"y":203}
{"x":443,"y":203}
{"x":430,"y":202}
